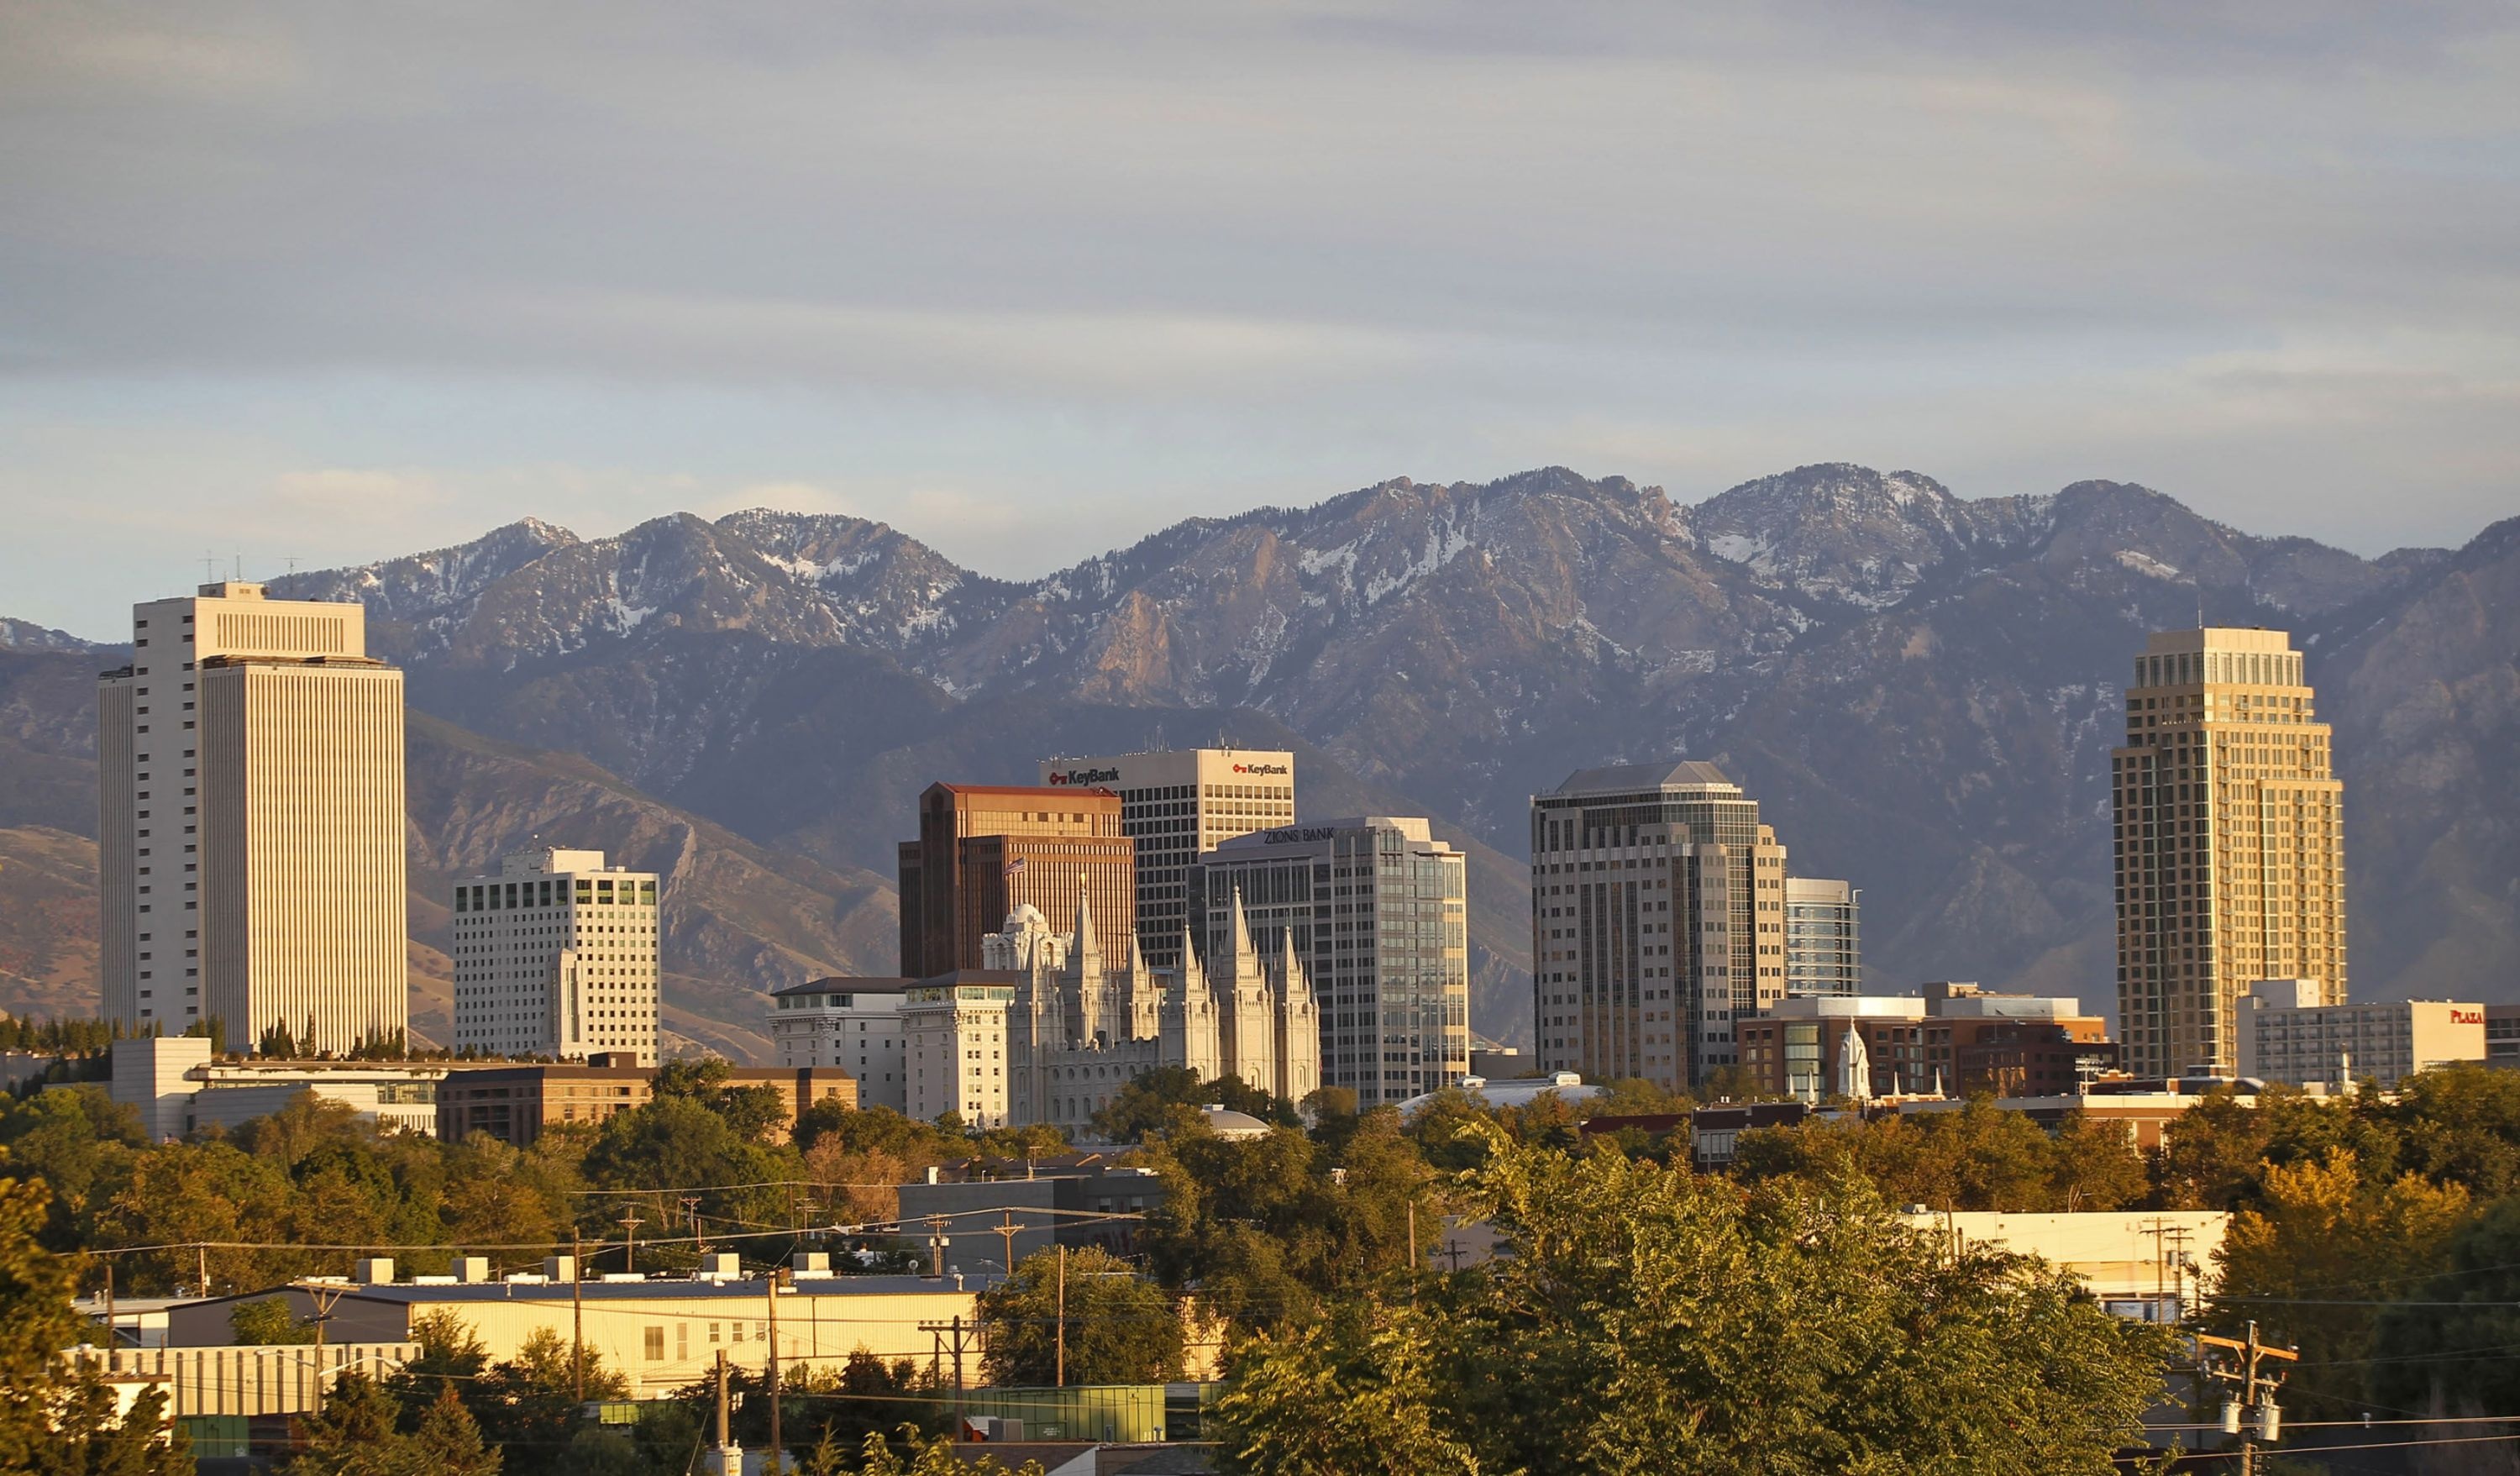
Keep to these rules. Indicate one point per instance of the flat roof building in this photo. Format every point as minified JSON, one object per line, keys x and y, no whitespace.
{"x":1823,"y":937}
{"x":1657,"y":922}
{"x":985,"y":850}
{"x":1373,"y":910}
{"x":660,"y":1336}
{"x":515,"y":1104}
{"x":556,"y":954}
{"x":2287,"y":1036}
{"x":1950,"y":1039}
{"x":852,"y":1024}
{"x":250,"y":822}
{"x":1175,"y":804}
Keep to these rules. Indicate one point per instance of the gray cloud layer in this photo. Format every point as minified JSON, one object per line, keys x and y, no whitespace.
{"x":333,"y":281}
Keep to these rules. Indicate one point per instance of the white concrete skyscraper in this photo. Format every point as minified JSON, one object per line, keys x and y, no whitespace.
{"x":556,"y":955}
{"x":250,"y":822}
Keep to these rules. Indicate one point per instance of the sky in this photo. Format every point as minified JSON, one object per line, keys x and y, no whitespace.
{"x":326,"y":284}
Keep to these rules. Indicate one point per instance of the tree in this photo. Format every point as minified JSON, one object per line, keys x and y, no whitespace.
{"x":267,"y":1322}
{"x":1163,"y":1099}
{"x":448,"y":1443}
{"x":1355,"y":1396}
{"x":352,"y":1434}
{"x":531,"y":1400}
{"x":2452,"y":1346}
{"x":875,"y":1130}
{"x":36,"y":1322}
{"x":90,"y":1439}
{"x":929,"y":1458}
{"x":356,"y":1433}
{"x":1652,"y":1319}
{"x":1120,"y":1329}
{"x":2308,"y":1263}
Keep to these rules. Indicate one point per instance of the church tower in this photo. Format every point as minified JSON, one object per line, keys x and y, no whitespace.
{"x":1299,"y":1028}
{"x":1190,"y":1018}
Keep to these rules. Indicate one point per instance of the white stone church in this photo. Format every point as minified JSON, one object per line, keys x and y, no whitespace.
{"x":1080,"y":1025}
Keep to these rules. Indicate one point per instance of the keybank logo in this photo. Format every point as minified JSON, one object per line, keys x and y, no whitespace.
{"x":1259,"y":767}
{"x":1087,"y":777}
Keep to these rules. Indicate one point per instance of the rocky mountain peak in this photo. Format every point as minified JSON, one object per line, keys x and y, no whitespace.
{"x":25,"y":635}
{"x":1851,"y":535}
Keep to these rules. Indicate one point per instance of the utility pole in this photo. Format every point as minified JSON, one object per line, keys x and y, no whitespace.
{"x":778,"y":1460}
{"x":2251,"y":1411}
{"x":729,"y":1456}
{"x":630,"y":1223}
{"x":1062,"y":1318}
{"x":1007,"y":1232}
{"x":202,"y":1250}
{"x":577,"y":1312}
{"x":937,"y":1242}
{"x":691,"y":1207}
{"x":960,"y":1335}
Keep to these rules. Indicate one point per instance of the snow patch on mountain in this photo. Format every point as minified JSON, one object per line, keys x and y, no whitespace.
{"x":2146,"y":564}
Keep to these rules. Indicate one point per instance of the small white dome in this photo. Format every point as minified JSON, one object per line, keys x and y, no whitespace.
{"x":1025,"y":919}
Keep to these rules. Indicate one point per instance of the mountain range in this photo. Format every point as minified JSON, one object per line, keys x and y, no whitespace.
{"x":1920,"y":688}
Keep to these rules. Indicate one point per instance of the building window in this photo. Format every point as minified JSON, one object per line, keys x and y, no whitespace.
{"x":654,"y":1345}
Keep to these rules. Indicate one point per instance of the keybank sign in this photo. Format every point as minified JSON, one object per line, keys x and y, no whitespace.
{"x":1087,"y":777}
{"x":1259,"y":767}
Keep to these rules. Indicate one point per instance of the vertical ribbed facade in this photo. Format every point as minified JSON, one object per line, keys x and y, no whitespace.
{"x":251,"y":797}
{"x":2229,"y":842}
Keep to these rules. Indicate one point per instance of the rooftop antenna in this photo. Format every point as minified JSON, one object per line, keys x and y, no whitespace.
{"x":240,"y":565}
{"x":209,"y":569}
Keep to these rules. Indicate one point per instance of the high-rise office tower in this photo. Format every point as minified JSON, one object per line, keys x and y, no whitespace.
{"x":1824,"y":938}
{"x":250,"y":822}
{"x":1375,"y":909}
{"x":1657,"y":920}
{"x":2230,"y":844}
{"x":556,"y":955}
{"x":1176,"y":804}
{"x":985,"y":850}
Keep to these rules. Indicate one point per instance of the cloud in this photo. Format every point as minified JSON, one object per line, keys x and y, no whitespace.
{"x":1028,"y":280}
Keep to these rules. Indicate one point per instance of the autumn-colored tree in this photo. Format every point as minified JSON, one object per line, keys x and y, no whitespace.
{"x":2312,"y":1259}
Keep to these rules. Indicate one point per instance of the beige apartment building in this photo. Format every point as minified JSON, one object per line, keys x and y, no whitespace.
{"x":1175,"y":805}
{"x":251,"y":821}
{"x":555,"y":955}
{"x":2230,"y":838}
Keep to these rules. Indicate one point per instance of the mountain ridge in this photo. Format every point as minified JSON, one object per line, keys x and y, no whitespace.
{"x":1921,"y":689}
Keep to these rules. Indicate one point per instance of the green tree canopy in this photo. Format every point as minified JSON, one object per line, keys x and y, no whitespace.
{"x":1651,"y":1318}
{"x":1120,"y":1328}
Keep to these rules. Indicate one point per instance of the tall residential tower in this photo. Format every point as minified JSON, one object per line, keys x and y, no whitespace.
{"x":1657,"y":922}
{"x":2231,"y":844}
{"x":251,"y":820}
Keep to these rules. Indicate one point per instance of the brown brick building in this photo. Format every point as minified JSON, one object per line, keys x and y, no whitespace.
{"x":1954,"y":1035}
{"x":985,"y":850}
{"x":515,"y":1104}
